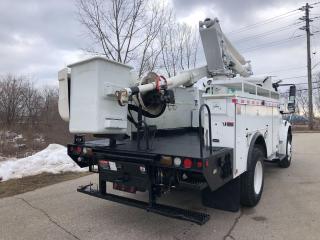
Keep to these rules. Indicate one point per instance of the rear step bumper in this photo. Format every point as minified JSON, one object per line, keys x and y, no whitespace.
{"x":168,"y":211}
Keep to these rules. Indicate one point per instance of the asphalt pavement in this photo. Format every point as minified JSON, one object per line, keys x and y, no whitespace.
{"x":289,"y":209}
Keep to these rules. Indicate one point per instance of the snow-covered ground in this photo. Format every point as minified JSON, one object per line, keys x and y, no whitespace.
{"x":3,"y":158}
{"x":53,"y":159}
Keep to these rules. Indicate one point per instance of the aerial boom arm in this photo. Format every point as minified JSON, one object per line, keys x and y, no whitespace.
{"x":222,"y":58}
{"x":185,"y":78}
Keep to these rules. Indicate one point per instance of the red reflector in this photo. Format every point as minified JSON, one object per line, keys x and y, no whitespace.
{"x":125,"y":188}
{"x":187,"y":163}
{"x":207,"y":163}
{"x":199,"y":164}
{"x":78,"y":149}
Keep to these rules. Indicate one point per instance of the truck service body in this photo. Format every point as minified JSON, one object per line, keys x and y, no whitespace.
{"x":158,"y":134}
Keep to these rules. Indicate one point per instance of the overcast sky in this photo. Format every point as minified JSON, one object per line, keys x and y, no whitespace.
{"x":39,"y":37}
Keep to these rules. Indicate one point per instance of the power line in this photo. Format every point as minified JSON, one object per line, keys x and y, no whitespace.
{"x":317,"y":64}
{"x":295,"y":77}
{"x":306,"y":83}
{"x":266,"y":21}
{"x":288,"y":69}
{"x":306,"y":89}
{"x":275,"y":43}
{"x":314,"y":26}
{"x":269,"y":20}
{"x":300,"y":90}
{"x":275,"y":30}
{"x":271,"y":44}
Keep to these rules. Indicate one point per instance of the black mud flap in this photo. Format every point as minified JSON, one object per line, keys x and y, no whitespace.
{"x":225,"y":198}
{"x":168,"y":211}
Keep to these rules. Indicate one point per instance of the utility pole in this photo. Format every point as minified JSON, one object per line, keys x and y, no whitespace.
{"x":306,"y":18}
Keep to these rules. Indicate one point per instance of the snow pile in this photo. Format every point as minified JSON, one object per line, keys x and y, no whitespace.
{"x":53,"y":159}
{"x":3,"y":158}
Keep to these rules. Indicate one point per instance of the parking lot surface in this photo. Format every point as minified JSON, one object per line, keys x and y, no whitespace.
{"x":289,"y":209}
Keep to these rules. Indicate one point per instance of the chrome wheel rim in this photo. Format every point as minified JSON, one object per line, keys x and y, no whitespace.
{"x":258,"y":177}
{"x":289,"y":151}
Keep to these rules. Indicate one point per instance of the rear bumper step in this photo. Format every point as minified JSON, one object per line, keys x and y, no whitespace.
{"x":168,"y":211}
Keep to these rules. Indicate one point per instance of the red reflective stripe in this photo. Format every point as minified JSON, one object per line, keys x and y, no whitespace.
{"x":254,"y":102}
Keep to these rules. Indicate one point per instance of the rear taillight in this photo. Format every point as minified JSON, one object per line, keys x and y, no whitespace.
{"x":77,"y":150}
{"x":187,"y":163}
{"x":199,"y":164}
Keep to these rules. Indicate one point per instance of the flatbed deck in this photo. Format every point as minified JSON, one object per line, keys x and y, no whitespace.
{"x":183,"y":144}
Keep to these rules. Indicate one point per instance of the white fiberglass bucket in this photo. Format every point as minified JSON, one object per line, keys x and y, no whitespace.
{"x":93,"y":105}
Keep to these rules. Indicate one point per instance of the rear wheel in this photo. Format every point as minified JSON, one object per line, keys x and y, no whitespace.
{"x":286,"y":161}
{"x":252,"y":181}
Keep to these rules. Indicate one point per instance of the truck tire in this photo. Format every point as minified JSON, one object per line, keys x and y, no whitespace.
{"x":286,"y":161}
{"x":253,"y":179}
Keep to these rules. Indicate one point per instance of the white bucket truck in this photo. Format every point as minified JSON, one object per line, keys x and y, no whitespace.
{"x":160,"y":133}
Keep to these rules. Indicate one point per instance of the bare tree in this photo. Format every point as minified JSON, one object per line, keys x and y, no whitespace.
{"x":317,"y":92}
{"x":150,"y":49}
{"x":12,"y":101}
{"x":50,"y":96}
{"x":169,"y":46}
{"x":124,"y":30}
{"x":114,"y":25}
{"x":179,"y":46}
{"x":188,"y":46}
{"x":142,"y":32}
{"x":302,"y":101}
{"x":33,"y":104}
{"x":24,"y":104}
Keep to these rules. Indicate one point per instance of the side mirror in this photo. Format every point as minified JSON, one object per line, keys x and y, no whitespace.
{"x":292,"y":99}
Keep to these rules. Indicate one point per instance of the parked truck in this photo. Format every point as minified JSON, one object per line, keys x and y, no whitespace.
{"x":157,"y":134}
